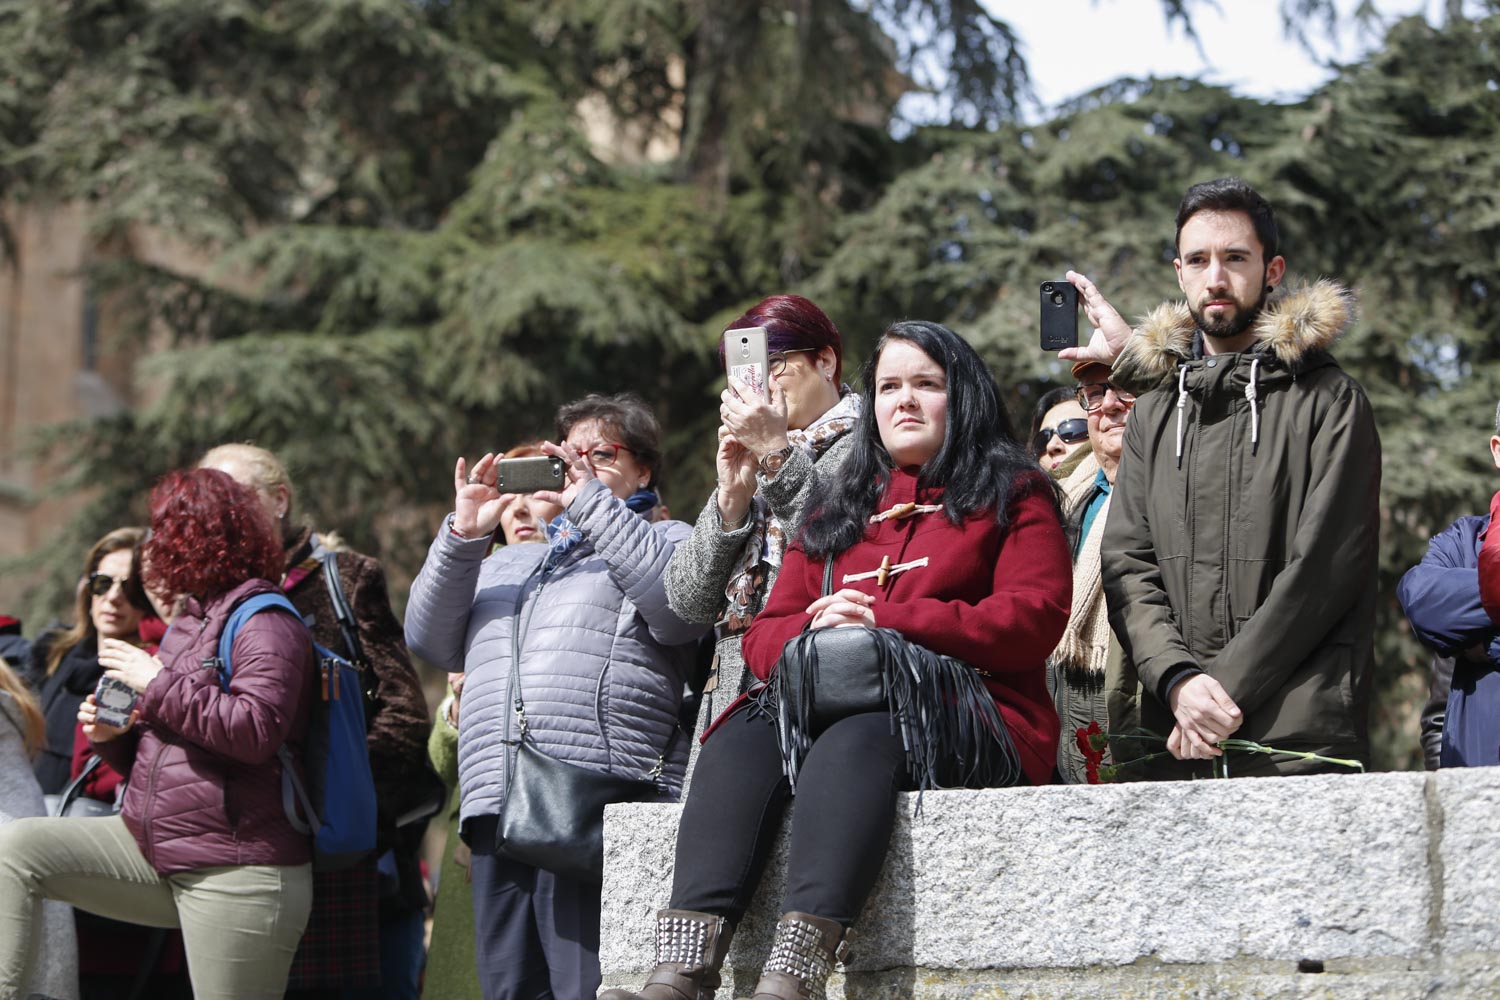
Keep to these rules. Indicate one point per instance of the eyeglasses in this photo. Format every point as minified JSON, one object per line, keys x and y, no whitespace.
{"x":603,"y":455}
{"x":778,"y":360}
{"x":1091,"y":396}
{"x":100,"y":584}
{"x":1071,"y":431}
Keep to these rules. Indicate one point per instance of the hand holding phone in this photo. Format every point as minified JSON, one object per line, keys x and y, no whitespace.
{"x":528,"y":475}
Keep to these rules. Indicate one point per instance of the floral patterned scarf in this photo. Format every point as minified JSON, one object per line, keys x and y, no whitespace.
{"x":767,"y":540}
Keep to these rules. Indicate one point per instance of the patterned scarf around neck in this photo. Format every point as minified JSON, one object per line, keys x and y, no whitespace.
{"x":767,"y":540}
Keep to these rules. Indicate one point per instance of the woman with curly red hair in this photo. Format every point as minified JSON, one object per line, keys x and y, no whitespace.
{"x":201,"y":841}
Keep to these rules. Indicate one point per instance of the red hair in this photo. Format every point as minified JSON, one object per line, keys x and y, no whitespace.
{"x":209,"y":534}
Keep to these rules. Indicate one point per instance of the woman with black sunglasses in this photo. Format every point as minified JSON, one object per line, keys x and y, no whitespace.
{"x":64,"y":667}
{"x":1059,"y":432}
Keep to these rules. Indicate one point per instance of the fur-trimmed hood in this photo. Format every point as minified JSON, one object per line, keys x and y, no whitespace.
{"x":1295,"y":324}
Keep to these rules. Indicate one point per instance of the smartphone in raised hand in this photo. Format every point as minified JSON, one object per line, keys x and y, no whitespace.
{"x":746,"y":359}
{"x":1059,"y":315}
{"x":527,"y":475}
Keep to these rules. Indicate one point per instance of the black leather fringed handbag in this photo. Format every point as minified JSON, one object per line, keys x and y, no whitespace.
{"x":950,"y":728}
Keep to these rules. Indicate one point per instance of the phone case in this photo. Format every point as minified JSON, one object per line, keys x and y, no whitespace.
{"x":114,"y":700}
{"x":1059,"y":315}
{"x":527,"y":475}
{"x":746,"y":359}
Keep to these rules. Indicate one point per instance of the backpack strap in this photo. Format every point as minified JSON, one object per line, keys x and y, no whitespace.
{"x":341,"y":610}
{"x":237,"y":618}
{"x":348,"y":627}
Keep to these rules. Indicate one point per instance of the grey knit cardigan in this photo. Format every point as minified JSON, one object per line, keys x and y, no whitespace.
{"x":701,"y":567}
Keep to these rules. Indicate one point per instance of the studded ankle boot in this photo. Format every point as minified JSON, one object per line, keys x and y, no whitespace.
{"x":690,"y":950}
{"x":802,"y":958}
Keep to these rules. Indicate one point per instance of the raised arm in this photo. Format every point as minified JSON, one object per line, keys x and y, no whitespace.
{"x":636,"y":553}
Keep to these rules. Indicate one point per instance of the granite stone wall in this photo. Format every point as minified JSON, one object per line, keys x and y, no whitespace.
{"x":1331,"y":886}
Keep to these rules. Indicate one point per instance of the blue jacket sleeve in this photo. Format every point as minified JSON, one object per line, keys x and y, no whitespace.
{"x":1440,"y":595}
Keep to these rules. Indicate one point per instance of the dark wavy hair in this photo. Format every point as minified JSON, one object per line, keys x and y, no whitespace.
{"x":209,"y":534}
{"x":626,"y":416}
{"x":980,"y":466}
{"x":792,"y":323}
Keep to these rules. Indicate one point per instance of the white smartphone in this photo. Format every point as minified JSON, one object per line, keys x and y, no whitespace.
{"x":746,"y":359}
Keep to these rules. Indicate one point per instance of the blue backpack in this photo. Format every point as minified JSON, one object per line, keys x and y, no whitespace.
{"x":339,"y":799}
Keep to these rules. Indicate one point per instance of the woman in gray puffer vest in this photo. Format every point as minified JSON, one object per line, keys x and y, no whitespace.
{"x":771,"y":453}
{"x":603,"y":663}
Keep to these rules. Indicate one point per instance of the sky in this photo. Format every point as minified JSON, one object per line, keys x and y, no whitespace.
{"x":1073,"y":46}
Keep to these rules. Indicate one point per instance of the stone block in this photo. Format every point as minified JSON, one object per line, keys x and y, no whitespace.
{"x":1212,"y":872}
{"x":1467,"y":807}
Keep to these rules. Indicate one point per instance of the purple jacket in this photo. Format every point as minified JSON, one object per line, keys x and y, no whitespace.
{"x":204,"y":783}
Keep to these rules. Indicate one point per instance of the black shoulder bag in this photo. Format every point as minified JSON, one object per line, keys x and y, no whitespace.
{"x":947,"y":718}
{"x":553,"y":815}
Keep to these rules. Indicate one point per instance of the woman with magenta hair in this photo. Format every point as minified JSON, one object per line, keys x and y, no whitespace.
{"x":201,"y":841}
{"x":770,"y":454}
{"x":942,"y":538}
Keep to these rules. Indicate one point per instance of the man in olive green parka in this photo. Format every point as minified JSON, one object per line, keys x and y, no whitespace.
{"x":1240,"y":553}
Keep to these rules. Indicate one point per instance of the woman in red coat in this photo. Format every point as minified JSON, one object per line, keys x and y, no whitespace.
{"x":942,"y":529}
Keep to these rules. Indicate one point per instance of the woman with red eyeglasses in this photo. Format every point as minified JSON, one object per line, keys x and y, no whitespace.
{"x":65,"y":668}
{"x":583,"y":625}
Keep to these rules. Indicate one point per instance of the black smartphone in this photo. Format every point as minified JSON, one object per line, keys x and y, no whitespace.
{"x":114,"y":700}
{"x":1059,"y":315}
{"x":527,"y":475}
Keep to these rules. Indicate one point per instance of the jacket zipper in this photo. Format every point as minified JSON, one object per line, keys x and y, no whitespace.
{"x":1230,"y":464}
{"x":150,"y":851}
{"x":1192,"y":534}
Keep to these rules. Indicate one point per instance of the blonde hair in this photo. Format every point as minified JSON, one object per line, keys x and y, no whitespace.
{"x":33,"y":727}
{"x":119,"y":540}
{"x":266,"y":471}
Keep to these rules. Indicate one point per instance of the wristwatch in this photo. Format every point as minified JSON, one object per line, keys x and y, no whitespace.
{"x":772,"y":463}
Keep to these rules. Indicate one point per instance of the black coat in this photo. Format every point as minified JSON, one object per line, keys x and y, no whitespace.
{"x":61,"y":694}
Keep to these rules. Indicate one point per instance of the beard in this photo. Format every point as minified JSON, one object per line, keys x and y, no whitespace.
{"x":1229,"y":326}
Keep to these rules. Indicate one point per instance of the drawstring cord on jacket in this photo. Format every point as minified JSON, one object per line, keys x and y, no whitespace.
{"x":1252,"y":395}
{"x":1181,"y":407}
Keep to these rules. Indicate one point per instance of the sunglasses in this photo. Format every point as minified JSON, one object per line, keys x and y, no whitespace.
{"x":100,"y":584}
{"x":1071,"y":431}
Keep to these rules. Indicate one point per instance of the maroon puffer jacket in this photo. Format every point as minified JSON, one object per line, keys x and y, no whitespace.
{"x":205,"y":785}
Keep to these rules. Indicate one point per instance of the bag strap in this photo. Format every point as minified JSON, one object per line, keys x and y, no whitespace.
{"x":515,"y":688}
{"x":292,"y":789}
{"x":74,"y":788}
{"x":341,"y":610}
{"x":828,"y":575}
{"x":237,"y":618}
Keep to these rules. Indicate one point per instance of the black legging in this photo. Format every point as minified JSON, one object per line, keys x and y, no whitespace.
{"x":841,"y":826}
